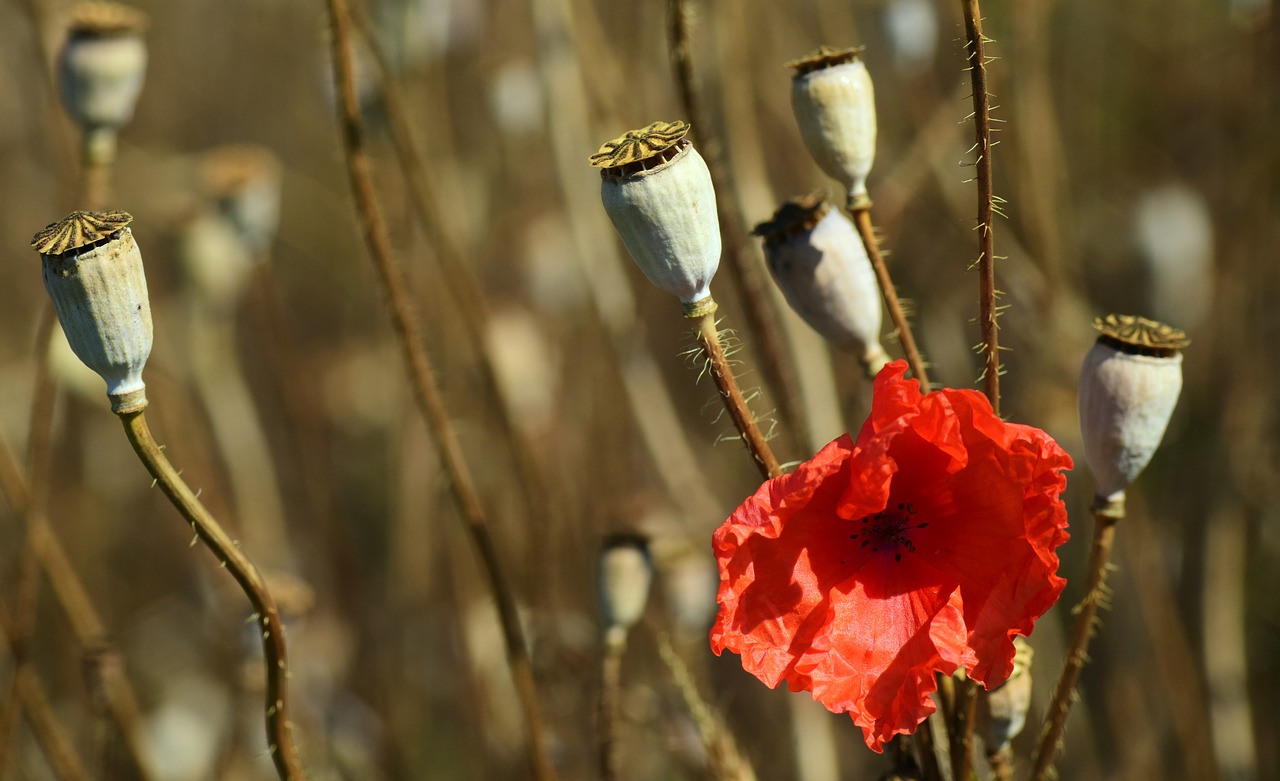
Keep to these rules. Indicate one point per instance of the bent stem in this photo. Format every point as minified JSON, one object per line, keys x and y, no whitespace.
{"x":986,"y":209}
{"x":426,"y":393}
{"x":704,"y":312}
{"x":861,"y":213}
{"x":279,"y":739}
{"x":1106,"y":515}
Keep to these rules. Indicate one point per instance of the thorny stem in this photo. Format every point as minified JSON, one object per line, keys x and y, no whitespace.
{"x":746,"y":275}
{"x":425,"y":391}
{"x":615,"y":644}
{"x":861,"y":213}
{"x":1106,"y":516}
{"x":962,"y":731}
{"x":986,"y":209}
{"x":279,"y":738}
{"x":730,"y":394}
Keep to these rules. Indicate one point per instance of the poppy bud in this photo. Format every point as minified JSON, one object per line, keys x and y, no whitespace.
{"x":93,"y":272}
{"x":657,"y":191}
{"x":101,"y":67}
{"x":835,"y":106}
{"x":625,"y":573}
{"x":1002,"y":712}
{"x":821,"y":265}
{"x":1129,"y":386}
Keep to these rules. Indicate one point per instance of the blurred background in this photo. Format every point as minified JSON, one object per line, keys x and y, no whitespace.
{"x":1140,"y":158}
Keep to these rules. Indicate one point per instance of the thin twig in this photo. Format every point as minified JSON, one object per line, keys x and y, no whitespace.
{"x":1105,"y":518}
{"x":423,"y":381}
{"x":977,"y":57}
{"x":279,"y":737}
{"x":746,"y":275}
{"x":861,"y":213}
{"x":743,"y":420}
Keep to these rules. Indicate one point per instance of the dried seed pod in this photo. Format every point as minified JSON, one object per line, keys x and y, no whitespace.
{"x":1129,"y":386}
{"x":835,"y":106}
{"x":245,"y":182}
{"x":102,"y":64}
{"x":93,"y":272}
{"x":625,"y":574}
{"x":1002,"y":712}
{"x":821,"y":266}
{"x":657,"y":191}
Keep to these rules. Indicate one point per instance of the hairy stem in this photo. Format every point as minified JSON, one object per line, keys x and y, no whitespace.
{"x":279,"y":738}
{"x":1106,"y":516}
{"x":423,"y":382}
{"x":962,"y":731}
{"x":746,"y":275}
{"x":977,"y":57}
{"x":730,"y":394}
{"x":861,"y":213}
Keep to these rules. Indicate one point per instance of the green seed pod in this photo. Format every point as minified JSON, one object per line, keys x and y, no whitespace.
{"x":1129,"y":386}
{"x":93,"y":272}
{"x":657,"y":191}
{"x":821,"y":266}
{"x":835,"y":106}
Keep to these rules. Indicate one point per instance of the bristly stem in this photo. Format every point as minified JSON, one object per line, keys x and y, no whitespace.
{"x":746,"y":276}
{"x":1106,"y":516}
{"x":861,"y":213}
{"x":975,"y":42}
{"x":709,"y":338}
{"x":962,"y":730}
{"x":279,"y":736}
{"x":423,"y":382}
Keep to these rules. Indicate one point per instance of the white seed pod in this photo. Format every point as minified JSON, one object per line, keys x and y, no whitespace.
{"x":1002,"y":712}
{"x":625,"y":574}
{"x":93,"y":272}
{"x":657,"y":191}
{"x":245,"y":182}
{"x":102,"y":64}
{"x":835,"y":106}
{"x":1129,"y":385}
{"x":822,"y":268}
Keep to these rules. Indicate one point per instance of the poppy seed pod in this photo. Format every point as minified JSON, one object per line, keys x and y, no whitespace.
{"x":1129,"y":386}
{"x":1002,"y":712}
{"x":244,"y":182}
{"x":657,"y":191}
{"x":625,"y":574}
{"x":93,"y":272}
{"x":835,"y":106}
{"x":821,"y":266}
{"x":101,"y":66}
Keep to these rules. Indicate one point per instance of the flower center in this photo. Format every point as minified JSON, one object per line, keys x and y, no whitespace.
{"x":889,"y":529}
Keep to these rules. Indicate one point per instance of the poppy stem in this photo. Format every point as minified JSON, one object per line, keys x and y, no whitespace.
{"x":861,"y":213}
{"x":704,"y":312}
{"x":1107,"y":514}
{"x":928,"y":751}
{"x":1002,"y":764}
{"x":279,"y":736}
{"x":986,"y":201}
{"x":615,"y":643}
{"x":962,"y":730}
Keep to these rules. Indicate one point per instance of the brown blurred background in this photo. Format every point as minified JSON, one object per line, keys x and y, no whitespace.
{"x":1140,"y":157}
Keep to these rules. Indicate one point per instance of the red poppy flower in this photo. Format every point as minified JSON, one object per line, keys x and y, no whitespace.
{"x":923,"y":547}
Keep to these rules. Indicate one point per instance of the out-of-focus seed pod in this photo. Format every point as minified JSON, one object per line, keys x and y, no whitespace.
{"x":1002,"y":712}
{"x":625,"y":574}
{"x":1129,"y":386}
{"x":100,"y":70}
{"x":835,"y":106}
{"x":821,"y":266}
{"x":244,"y":181}
{"x":657,"y":191}
{"x":93,"y":272}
